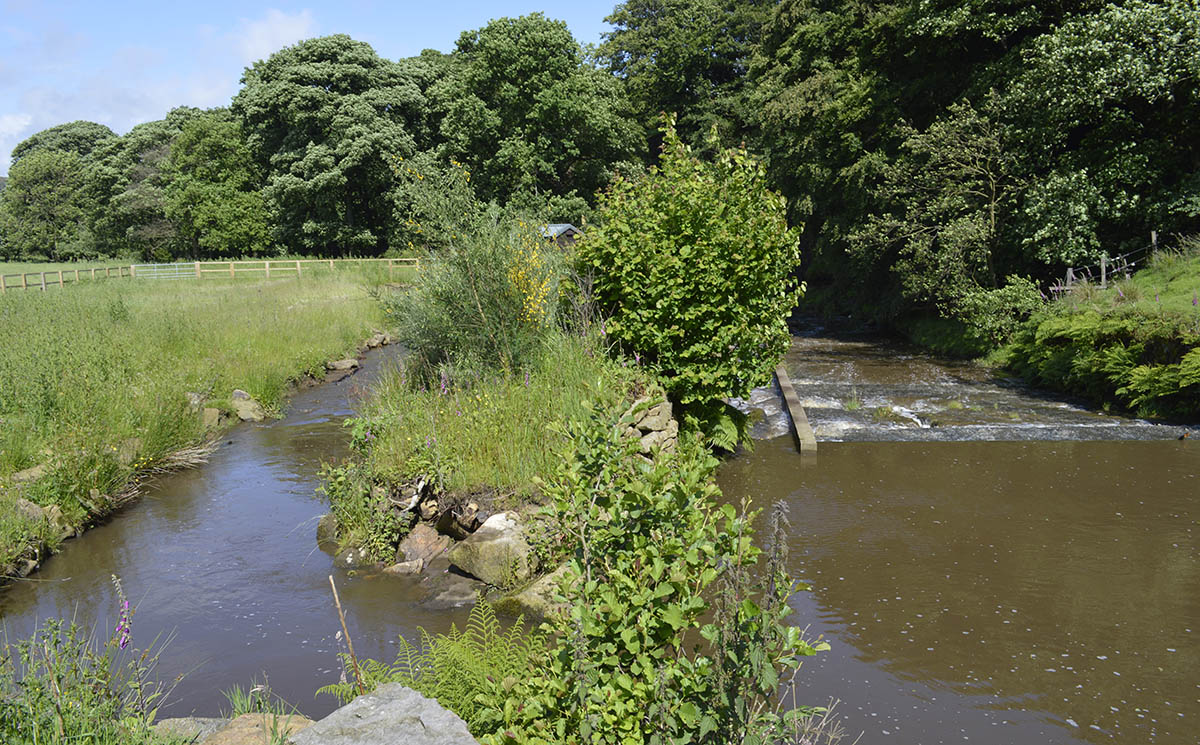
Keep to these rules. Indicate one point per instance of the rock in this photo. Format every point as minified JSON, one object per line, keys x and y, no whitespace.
{"x":353,"y":558}
{"x":376,"y":341}
{"x":256,"y":729}
{"x":497,"y":553}
{"x":210,"y":417}
{"x":347,"y":364}
{"x":390,"y":715}
{"x":28,"y":567}
{"x":188,"y":729}
{"x":535,"y":602}
{"x":450,"y":590}
{"x":458,"y":524}
{"x":656,"y":418}
{"x":429,"y":508}
{"x":405,"y":568}
{"x":327,"y":530}
{"x":29,"y":474}
{"x":195,"y":401}
{"x":240,"y":395}
{"x":387,"y":338}
{"x":246,"y":408}
{"x":30,"y":511}
{"x":422,"y":543}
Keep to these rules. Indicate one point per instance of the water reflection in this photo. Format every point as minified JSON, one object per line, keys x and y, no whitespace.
{"x":1001,"y":592}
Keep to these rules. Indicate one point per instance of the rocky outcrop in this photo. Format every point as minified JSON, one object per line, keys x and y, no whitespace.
{"x":391,"y":714}
{"x":188,"y":729}
{"x":379,"y":340}
{"x":653,"y":426}
{"x":497,"y":552}
{"x":422,"y":544}
{"x":246,"y":408}
{"x":340,"y":365}
{"x":536,"y":601}
{"x":327,"y":530}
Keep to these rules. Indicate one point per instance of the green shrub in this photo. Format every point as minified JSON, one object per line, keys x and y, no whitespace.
{"x":671,"y":636}
{"x":693,"y":263}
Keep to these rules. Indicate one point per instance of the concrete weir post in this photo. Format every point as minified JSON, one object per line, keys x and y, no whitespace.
{"x":806,"y":441}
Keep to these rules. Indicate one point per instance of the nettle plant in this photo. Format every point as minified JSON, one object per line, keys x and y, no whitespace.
{"x":693,"y":264}
{"x":677,"y":633}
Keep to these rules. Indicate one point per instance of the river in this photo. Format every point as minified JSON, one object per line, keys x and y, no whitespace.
{"x":990,"y":564}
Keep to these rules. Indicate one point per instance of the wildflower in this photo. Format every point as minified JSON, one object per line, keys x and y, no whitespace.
{"x":526,"y":378}
{"x":1194,"y":299}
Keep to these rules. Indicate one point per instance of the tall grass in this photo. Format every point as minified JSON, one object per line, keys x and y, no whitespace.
{"x":93,"y":378}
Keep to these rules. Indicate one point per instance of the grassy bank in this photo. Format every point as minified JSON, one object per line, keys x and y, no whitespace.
{"x":94,"y":379}
{"x":1134,"y":345}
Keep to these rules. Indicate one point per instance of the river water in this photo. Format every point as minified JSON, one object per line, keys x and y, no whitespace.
{"x":989,"y":564}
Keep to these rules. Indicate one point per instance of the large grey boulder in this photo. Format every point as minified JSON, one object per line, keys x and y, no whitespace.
{"x":257,"y":729}
{"x":247,"y":409}
{"x":497,"y":553}
{"x":188,"y":729}
{"x":390,"y":715}
{"x":423,"y":544}
{"x":536,"y":601}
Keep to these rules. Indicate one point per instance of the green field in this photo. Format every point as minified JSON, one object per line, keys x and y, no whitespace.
{"x":94,"y":377}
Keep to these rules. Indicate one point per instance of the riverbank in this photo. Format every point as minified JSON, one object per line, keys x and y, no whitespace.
{"x":106,"y":384}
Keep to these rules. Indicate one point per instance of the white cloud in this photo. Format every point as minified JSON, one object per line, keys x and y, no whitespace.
{"x":258,"y":39}
{"x":13,"y":129}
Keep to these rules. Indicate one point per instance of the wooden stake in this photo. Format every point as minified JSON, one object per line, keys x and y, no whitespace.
{"x":43,"y":281}
{"x":358,"y":682}
{"x":60,"y":282}
{"x":297,"y":268}
{"x":1103,"y":272}
{"x":267,"y":267}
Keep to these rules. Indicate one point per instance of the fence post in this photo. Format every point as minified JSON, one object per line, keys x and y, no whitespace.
{"x":1153,"y":241}
{"x":297,"y":268}
{"x":2,"y":287}
{"x":60,"y":282}
{"x":76,"y":276}
{"x":267,"y":269}
{"x":197,"y":270}
{"x":43,"y":281}
{"x":331,"y":263}
{"x":24,"y":281}
{"x":1103,"y":272}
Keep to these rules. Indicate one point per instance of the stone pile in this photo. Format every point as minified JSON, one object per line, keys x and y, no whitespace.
{"x":653,"y":426}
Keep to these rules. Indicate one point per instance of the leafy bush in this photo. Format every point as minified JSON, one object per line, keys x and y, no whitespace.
{"x":462,"y":670}
{"x":671,"y":637}
{"x":693,"y":263}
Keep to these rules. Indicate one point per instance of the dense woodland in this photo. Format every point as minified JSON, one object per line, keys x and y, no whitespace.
{"x":948,"y":157}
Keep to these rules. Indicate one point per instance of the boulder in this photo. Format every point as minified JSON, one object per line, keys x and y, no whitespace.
{"x":210,"y":417}
{"x":389,"y":715}
{"x":422,"y":543}
{"x":536,"y":601}
{"x":405,"y":568}
{"x":188,"y":729}
{"x":497,"y":553}
{"x":29,"y":474}
{"x":30,"y":511}
{"x":429,"y":508}
{"x":247,"y":409}
{"x":347,"y":364}
{"x":257,"y":729}
{"x":656,"y":418}
{"x":459,"y":523}
{"x":327,"y":530}
{"x":353,"y":558}
{"x":378,"y":340}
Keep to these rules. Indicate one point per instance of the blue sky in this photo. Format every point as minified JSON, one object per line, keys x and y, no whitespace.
{"x":122,"y":63}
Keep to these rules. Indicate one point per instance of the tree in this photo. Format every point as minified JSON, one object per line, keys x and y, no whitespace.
{"x":126,"y":180}
{"x":321,"y":119}
{"x":685,"y":56}
{"x":528,"y":114}
{"x":79,"y":137}
{"x":43,"y":204}
{"x":693,"y":264}
{"x":213,"y":194}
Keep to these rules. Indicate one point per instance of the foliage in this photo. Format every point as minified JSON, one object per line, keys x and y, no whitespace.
{"x":78,"y":137}
{"x":321,"y":117}
{"x":107,"y":400}
{"x":126,"y":180}
{"x":527,"y":113}
{"x":62,"y":686}
{"x":669,"y":639}
{"x":486,"y":300}
{"x":688,"y":56}
{"x":213,"y":194}
{"x":462,"y":670}
{"x":43,"y":205}
{"x":694,"y":265}
{"x":364,"y":519}
{"x":1134,"y":346}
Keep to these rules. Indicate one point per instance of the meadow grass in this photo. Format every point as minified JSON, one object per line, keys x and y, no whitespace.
{"x":93,"y":378}
{"x":1167,"y":286}
{"x":500,"y":432}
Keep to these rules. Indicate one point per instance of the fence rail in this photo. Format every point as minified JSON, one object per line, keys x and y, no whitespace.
{"x":1108,"y":268}
{"x":190,"y":270}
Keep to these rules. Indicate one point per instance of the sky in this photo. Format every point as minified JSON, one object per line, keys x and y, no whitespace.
{"x":123,"y":63}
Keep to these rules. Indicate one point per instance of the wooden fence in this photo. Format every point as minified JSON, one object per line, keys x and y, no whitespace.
{"x":191,"y":270}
